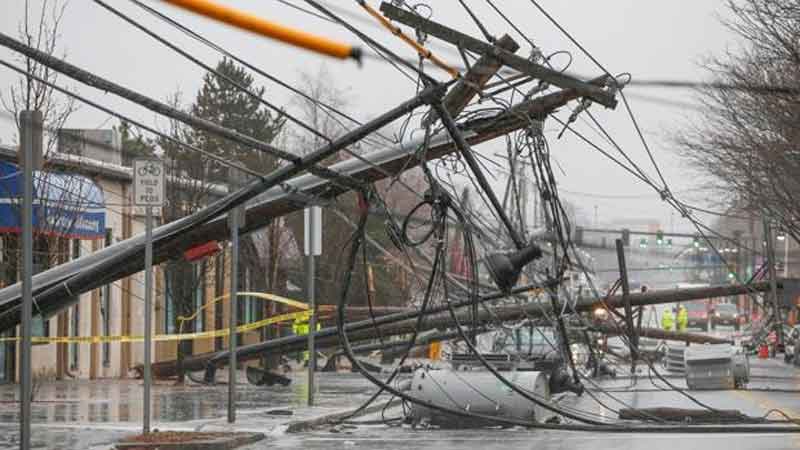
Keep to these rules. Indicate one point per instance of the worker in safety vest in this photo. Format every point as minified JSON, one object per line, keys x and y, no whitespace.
{"x":683,"y":318}
{"x":667,"y":320}
{"x":300,"y":327}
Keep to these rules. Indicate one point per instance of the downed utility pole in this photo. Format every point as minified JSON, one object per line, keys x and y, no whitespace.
{"x":278,"y":201}
{"x":658,"y":333}
{"x":126,"y":258}
{"x":438,"y":317}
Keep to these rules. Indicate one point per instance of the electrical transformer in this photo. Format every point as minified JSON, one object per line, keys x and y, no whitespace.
{"x":477,"y":392}
{"x":715,"y":367}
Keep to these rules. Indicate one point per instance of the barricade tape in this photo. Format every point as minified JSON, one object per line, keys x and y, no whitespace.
{"x":303,"y":315}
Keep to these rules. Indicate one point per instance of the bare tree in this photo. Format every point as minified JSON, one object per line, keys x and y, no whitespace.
{"x":42,"y":33}
{"x":381,"y":288}
{"x":747,"y":139}
{"x":189,"y":190}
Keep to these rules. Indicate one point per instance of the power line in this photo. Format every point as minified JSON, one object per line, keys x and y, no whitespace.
{"x":371,"y":42}
{"x":119,"y":116}
{"x":208,"y":126}
{"x":217,"y":73}
{"x":329,"y":110}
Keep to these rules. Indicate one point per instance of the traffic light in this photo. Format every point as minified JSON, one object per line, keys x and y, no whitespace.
{"x":669,"y":242}
{"x":696,"y":242}
{"x":643,"y":243}
{"x":659,"y":237}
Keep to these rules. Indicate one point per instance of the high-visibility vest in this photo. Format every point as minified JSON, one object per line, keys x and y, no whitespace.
{"x":667,"y":321}
{"x":300,"y":327}
{"x":683,"y":318}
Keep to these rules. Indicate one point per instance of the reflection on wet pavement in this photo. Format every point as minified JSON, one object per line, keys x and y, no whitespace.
{"x":93,"y":415}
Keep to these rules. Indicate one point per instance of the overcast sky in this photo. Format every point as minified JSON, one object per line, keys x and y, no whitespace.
{"x":650,"y":39}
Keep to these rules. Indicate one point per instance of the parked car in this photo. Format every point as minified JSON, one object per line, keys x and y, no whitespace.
{"x":726,"y":314}
{"x":532,"y":343}
{"x":698,"y":314}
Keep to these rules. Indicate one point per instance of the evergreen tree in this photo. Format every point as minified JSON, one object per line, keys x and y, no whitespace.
{"x":133,"y":145}
{"x":223,"y":103}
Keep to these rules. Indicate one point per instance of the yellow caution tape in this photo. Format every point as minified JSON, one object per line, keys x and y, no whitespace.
{"x":301,"y":315}
{"x":259,"y":295}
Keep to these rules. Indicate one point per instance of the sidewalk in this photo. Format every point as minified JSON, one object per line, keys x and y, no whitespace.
{"x":94,"y":414}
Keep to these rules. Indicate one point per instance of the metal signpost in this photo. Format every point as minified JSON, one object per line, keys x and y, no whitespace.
{"x":148,"y":191}
{"x":236,"y":220}
{"x":31,"y":143}
{"x":312,"y":247}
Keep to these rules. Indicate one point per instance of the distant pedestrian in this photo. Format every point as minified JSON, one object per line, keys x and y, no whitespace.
{"x":683,"y":318}
{"x":667,"y":320}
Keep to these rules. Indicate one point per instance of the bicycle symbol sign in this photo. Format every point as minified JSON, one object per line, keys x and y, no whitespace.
{"x":149,"y":167}
{"x":148,"y":182}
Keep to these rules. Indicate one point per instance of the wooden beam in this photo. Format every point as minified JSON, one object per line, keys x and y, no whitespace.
{"x":524,"y":65}
{"x":473,"y":82}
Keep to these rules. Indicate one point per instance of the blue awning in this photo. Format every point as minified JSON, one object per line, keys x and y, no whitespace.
{"x":65,"y":205}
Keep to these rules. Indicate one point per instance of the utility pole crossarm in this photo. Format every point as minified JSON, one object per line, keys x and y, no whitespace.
{"x":473,"y":82}
{"x":472,"y":44}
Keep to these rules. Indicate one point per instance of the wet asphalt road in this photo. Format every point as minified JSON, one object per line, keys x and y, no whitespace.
{"x":772,"y":374}
{"x":93,"y":415}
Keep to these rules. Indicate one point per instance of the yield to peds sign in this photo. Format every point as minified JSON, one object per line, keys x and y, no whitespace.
{"x":148,"y":182}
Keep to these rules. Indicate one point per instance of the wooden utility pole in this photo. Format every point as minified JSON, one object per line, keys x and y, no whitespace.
{"x":633,"y":340}
{"x":397,"y":323}
{"x":773,"y":283}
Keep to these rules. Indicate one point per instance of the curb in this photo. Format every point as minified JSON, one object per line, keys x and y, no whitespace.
{"x":222,"y":443}
{"x":309,"y":424}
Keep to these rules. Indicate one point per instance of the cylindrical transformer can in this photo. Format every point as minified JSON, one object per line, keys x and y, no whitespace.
{"x":478,"y":392}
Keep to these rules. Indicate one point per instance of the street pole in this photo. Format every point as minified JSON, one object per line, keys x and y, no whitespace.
{"x":312,"y":325}
{"x":772,"y":282}
{"x":232,"y":312}
{"x":31,"y":125}
{"x":623,"y":275}
{"x":148,"y":191}
{"x":148,"y":315}
{"x":313,"y":248}
{"x":785,"y":255}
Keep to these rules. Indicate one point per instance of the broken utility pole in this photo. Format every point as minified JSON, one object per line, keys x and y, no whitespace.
{"x":277,"y":201}
{"x":438,"y":317}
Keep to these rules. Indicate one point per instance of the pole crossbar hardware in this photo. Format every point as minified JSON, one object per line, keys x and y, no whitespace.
{"x":423,"y":52}
{"x":263,"y":27}
{"x":438,"y":317}
{"x":470,"y":43}
{"x":474,"y":81}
